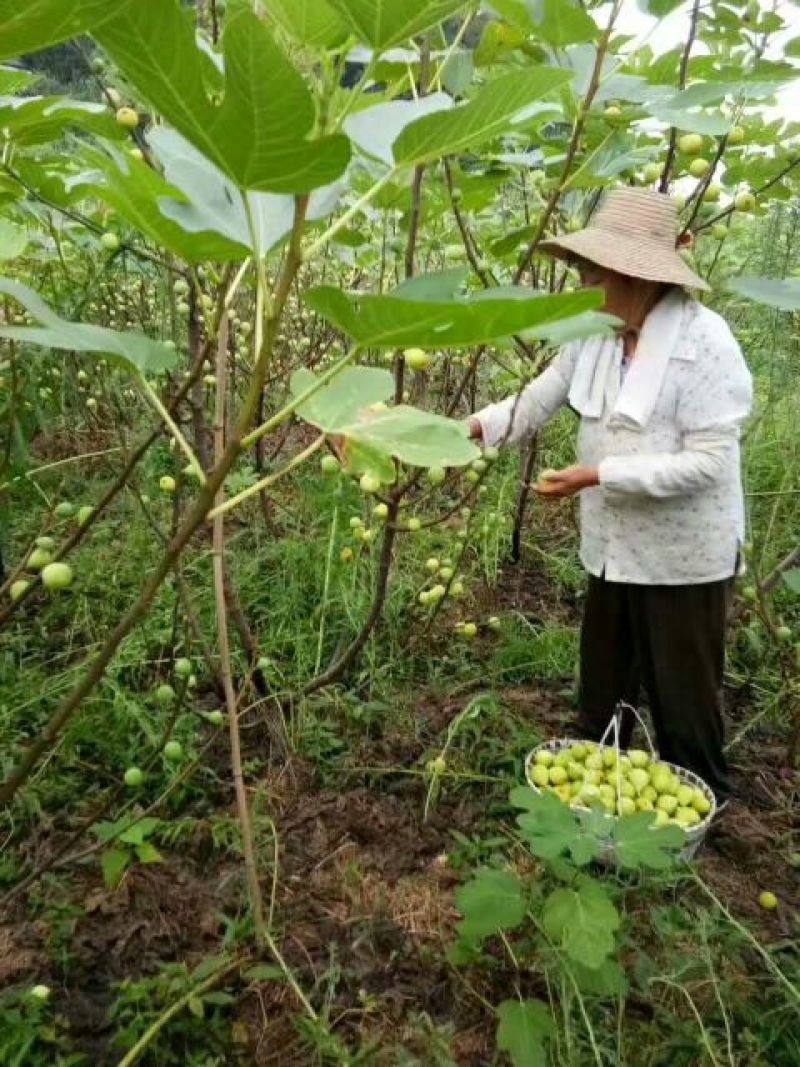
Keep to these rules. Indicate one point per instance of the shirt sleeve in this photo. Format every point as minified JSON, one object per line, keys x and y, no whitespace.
{"x":518,"y":417}
{"x":710,"y":414}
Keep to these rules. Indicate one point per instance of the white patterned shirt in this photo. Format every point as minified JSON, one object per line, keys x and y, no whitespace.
{"x":669,"y":508}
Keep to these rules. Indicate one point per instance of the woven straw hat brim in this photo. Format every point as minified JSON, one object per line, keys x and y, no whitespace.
{"x":634,"y":256}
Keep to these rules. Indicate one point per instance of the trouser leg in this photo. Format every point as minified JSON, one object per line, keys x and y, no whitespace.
{"x":608,"y":667}
{"x":680,"y":639}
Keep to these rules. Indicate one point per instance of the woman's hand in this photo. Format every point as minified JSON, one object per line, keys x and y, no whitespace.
{"x":567,"y":482}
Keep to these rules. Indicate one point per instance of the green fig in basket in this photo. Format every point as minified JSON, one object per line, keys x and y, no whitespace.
{"x":579,"y":752}
{"x":593,"y":777}
{"x":650,"y":793}
{"x":700,"y":802}
{"x":662,"y":819}
{"x":558,"y":774}
{"x":626,"y":806}
{"x":607,"y":796}
{"x":687,"y":816}
{"x":626,"y":789}
{"x":589,"y":794}
{"x":662,"y":781}
{"x":609,"y":757}
{"x":594,"y":761}
{"x":644,"y":803}
{"x":668,"y":803}
{"x":544,"y":757}
{"x":685,"y":796}
{"x":563,"y":759}
{"x":575,"y":770}
{"x":639,"y":779}
{"x":540,"y":775}
{"x":638,"y":757}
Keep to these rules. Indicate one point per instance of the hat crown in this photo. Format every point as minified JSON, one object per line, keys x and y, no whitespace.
{"x":643,"y":213}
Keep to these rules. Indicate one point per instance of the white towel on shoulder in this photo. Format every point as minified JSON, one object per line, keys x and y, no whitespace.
{"x":637,"y":397}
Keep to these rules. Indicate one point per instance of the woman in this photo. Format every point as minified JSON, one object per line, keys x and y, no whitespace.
{"x":661,"y":404}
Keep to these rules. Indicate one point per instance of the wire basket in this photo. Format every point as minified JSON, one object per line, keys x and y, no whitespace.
{"x":694,"y":834}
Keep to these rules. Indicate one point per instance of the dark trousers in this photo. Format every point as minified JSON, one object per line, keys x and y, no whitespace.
{"x":671,"y":639}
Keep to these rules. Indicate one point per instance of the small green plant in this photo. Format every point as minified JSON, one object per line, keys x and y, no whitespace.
{"x":127,"y":839}
{"x":436,"y":767}
{"x":32,"y":1034}
{"x":568,"y":927}
{"x":197,"y":1036}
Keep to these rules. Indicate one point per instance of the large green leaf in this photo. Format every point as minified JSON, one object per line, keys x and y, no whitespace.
{"x":607,"y":980}
{"x":29,"y":25}
{"x":12,"y":79}
{"x":639,"y":843}
{"x":375,"y":129}
{"x":491,"y":901}
{"x":702,"y":94}
{"x":43,"y":176}
{"x":518,"y":12}
{"x":576,"y":328}
{"x":550,"y":829}
{"x":345,"y":406}
{"x":133,"y":351}
{"x":391,"y":322}
{"x":713,"y":123}
{"x":344,"y":398}
{"x":582,"y":921}
{"x":783,"y":293}
{"x":420,"y":438}
{"x":383,"y":23}
{"x":37,"y":119}
{"x":13,"y":240}
{"x":494,"y":110}
{"x":259,"y":133}
{"x":435,"y":285}
{"x":311,"y":22}
{"x":210,"y":202}
{"x":458,"y":71}
{"x":138,"y":193}
{"x":564,"y":22}
{"x":523,"y":1031}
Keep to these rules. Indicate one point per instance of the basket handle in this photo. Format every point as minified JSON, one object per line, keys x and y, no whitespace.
{"x":615,"y":722}
{"x":623,"y":706}
{"x":613,"y":728}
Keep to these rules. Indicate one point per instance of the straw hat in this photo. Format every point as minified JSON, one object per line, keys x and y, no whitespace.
{"x":634,"y":232}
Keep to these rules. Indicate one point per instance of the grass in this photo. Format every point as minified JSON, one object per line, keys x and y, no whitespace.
{"x":529,"y":653}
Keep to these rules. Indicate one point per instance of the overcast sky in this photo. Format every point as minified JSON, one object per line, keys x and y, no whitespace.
{"x":666,"y":33}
